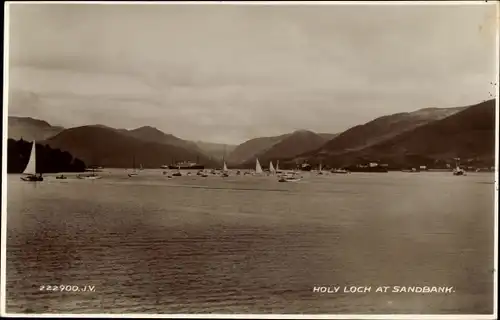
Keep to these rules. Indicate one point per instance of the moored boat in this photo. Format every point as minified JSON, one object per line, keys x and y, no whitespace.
{"x":186,"y":165}
{"x":320,"y":170}
{"x":271,"y":168}
{"x":458,"y":171}
{"x":30,"y":173}
{"x":134,"y":170}
{"x":225,"y":171}
{"x":278,"y":167}
{"x":412,"y":170}
{"x":88,"y":177}
{"x":258,"y":168}
{"x":340,"y":171}
{"x":291,"y":177}
{"x":91,"y":176}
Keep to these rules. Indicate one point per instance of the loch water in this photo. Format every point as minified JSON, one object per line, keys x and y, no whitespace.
{"x":247,"y":244}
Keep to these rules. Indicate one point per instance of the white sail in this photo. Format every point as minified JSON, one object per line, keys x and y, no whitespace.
{"x":31,"y":166}
{"x":271,"y":167}
{"x":277,"y":165}
{"x":320,"y":167}
{"x":224,"y":168}
{"x":258,"y":168}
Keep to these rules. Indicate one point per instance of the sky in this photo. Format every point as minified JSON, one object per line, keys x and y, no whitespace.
{"x":229,"y":73}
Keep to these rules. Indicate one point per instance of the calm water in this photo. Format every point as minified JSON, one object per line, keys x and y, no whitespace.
{"x":250,"y":244}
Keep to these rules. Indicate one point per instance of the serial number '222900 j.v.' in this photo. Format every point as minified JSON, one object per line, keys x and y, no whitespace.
{"x":69,"y":288}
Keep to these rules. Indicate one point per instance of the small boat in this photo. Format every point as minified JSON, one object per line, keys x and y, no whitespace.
{"x":178,"y":173}
{"x":29,"y":172}
{"x":290,"y":178}
{"x":91,"y":176}
{"x":278,"y":166}
{"x":134,"y":172}
{"x":224,"y":170}
{"x":320,"y":171}
{"x":62,"y":176}
{"x":458,"y":171}
{"x":340,"y":171}
{"x":305,"y":167}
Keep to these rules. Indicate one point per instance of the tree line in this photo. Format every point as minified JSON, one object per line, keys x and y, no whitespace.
{"x":48,"y":160}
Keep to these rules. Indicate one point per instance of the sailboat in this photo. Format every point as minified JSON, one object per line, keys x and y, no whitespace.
{"x":178,"y":173}
{"x":258,"y":168}
{"x":30,"y":170}
{"x":224,"y":170}
{"x":134,"y":172}
{"x":271,"y":168}
{"x":320,"y":171}
{"x":278,"y":166}
{"x":458,"y":171}
{"x":91,"y":176}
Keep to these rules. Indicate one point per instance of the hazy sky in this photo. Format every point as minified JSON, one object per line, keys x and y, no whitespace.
{"x":227,"y":73}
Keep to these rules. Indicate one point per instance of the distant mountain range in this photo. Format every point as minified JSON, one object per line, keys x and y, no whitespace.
{"x":423,"y":136}
{"x":468,"y":134}
{"x":287,"y":146}
{"x":171,"y":147}
{"x":383,"y":128}
{"x":249,"y":149}
{"x":108,"y":147}
{"x":31,"y":129}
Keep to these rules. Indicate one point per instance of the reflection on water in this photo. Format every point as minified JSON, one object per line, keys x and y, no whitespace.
{"x":248,"y":244}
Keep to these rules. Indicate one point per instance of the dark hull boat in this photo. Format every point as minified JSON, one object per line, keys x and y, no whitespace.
{"x":458,"y":172}
{"x":32,"y":178}
{"x":306,"y":167}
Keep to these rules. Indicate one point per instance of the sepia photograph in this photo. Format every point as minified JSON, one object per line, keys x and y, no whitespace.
{"x":260,"y":159}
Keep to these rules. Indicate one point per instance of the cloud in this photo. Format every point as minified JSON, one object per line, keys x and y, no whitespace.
{"x":233,"y":72}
